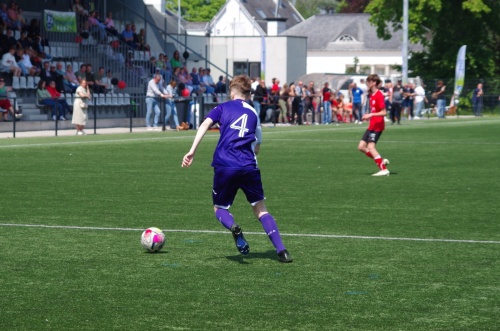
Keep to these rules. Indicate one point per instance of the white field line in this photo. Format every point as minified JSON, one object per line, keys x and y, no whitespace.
{"x":310,"y":235}
{"x":268,"y":131}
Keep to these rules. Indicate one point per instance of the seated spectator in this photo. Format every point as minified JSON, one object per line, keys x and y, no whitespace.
{"x":95,"y":25}
{"x":39,"y":47}
{"x":9,"y":63}
{"x":220,"y":87}
{"x":3,"y":40}
{"x":99,"y":80}
{"x":135,"y":36}
{"x":175,"y":62}
{"x":195,"y":78}
{"x":185,"y":78}
{"x":81,"y":74}
{"x":23,"y":40}
{"x":5,"y":17}
{"x":58,"y":78}
{"x":11,"y":41}
{"x":110,"y":24}
{"x":151,"y":66}
{"x":34,"y":28}
{"x":24,"y":62}
{"x":13,"y":15}
{"x":165,"y":71}
{"x":78,"y":8}
{"x":5,"y":105}
{"x":21,"y":18}
{"x":44,"y":98}
{"x":128,"y":36}
{"x":56,"y":95}
{"x":46,"y":74}
{"x":141,"y":40}
{"x":70,"y":81}
{"x":106,"y":80}
{"x":94,"y":86}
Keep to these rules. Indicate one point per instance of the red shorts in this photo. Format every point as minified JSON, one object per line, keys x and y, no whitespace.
{"x":5,"y":104}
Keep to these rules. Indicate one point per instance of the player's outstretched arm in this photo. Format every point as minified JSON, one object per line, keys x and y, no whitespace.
{"x":188,"y":158}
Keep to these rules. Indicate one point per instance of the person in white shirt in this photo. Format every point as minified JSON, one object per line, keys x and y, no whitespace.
{"x":9,"y":63}
{"x":154,"y":90}
{"x":419,"y":100}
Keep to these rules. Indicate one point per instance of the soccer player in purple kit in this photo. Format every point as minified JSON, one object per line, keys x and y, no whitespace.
{"x":235,"y":164}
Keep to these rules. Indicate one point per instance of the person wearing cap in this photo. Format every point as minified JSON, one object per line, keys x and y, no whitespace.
{"x":5,"y":105}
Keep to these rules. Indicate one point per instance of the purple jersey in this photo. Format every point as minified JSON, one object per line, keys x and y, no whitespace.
{"x":238,"y":123}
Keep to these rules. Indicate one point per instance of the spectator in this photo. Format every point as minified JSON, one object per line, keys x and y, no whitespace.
{"x":81,"y":74}
{"x":110,"y":24}
{"x":46,"y":99}
{"x":258,"y":97}
{"x":364,"y":104}
{"x":220,"y":87}
{"x":25,"y":64}
{"x":477,"y":100}
{"x":13,"y":15}
{"x":22,"y":19}
{"x":175,"y":62}
{"x":94,"y":85}
{"x":409,"y":94}
{"x":99,"y":79}
{"x":34,"y":28}
{"x":58,"y":78}
{"x":297,"y":103}
{"x":39,"y":47}
{"x":170,"y":107}
{"x":11,"y":41}
{"x":356,"y":95}
{"x":135,"y":37}
{"x":440,"y":98}
{"x":56,"y":95}
{"x":195,"y":79}
{"x":153,"y":91}
{"x":46,"y":74}
{"x":5,"y":105}
{"x":9,"y":63}
{"x":78,"y":8}
{"x":95,"y":25}
{"x":3,"y":41}
{"x":5,"y":17}
{"x":141,"y":40}
{"x":327,"y":105}
{"x":283,"y":104}
{"x":80,"y":106}
{"x":185,"y":78}
{"x":128,"y":36}
{"x":420,"y":100}
{"x":23,"y":40}
{"x":310,"y":102}
{"x":71,"y":82}
{"x":164,"y":66}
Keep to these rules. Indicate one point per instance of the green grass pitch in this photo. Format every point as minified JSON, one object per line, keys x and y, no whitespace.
{"x":418,"y":250}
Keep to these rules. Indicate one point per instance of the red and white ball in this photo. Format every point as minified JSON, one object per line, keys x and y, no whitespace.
{"x":153,"y":239}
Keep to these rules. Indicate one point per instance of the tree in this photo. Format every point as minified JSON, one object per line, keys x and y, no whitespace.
{"x":308,"y":8}
{"x":196,"y":10}
{"x":442,"y":27}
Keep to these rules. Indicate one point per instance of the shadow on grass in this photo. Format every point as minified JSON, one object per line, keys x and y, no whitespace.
{"x":242,"y":259}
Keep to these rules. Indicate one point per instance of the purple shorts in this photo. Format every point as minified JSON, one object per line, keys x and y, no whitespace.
{"x":228,"y":181}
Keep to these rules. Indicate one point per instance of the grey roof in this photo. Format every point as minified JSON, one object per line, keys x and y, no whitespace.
{"x":323,"y":33}
{"x":267,"y":8}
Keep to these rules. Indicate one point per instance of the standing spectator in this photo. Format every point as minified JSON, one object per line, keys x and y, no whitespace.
{"x":477,"y":100}
{"x":409,"y":94}
{"x":364,"y":102}
{"x":310,"y":101}
{"x":154,"y":90}
{"x":283,"y":104}
{"x":299,"y":99}
{"x":397,"y":102}
{"x":235,"y":165}
{"x":356,"y":96}
{"x":170,"y":108}
{"x":80,"y":107}
{"x":56,"y":96}
{"x":327,"y":105}
{"x":295,"y":117}
{"x":175,"y":62}
{"x":5,"y":105}
{"x":420,"y":100}
{"x":376,"y":126}
{"x":258,"y":98}
{"x":44,"y":98}
{"x":387,"y":92}
{"x":440,"y":98}
{"x":9,"y":63}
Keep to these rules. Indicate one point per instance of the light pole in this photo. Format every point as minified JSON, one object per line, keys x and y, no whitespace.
{"x":405,"y":42}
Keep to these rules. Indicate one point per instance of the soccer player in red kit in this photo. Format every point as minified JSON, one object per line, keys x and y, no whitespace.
{"x":377,"y":125}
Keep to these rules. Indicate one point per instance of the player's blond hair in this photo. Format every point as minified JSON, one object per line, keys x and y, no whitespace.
{"x":241,"y":85}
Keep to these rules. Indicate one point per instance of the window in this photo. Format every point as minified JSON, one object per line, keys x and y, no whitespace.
{"x":251,"y":69}
{"x":345,"y":38}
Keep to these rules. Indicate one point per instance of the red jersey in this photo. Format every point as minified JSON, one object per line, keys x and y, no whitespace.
{"x":377,"y":104}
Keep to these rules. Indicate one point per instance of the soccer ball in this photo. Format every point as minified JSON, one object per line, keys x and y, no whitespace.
{"x":153,"y":239}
